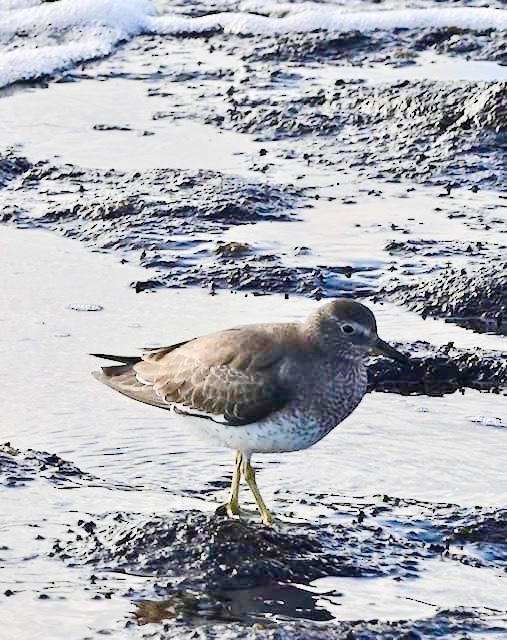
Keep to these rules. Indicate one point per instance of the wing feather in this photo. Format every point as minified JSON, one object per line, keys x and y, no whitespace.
{"x":233,"y":377}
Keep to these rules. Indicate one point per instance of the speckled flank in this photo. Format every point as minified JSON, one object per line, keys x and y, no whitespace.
{"x":295,"y":427}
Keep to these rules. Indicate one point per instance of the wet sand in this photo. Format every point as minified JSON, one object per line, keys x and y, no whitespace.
{"x":183,"y":185}
{"x":382,"y":450}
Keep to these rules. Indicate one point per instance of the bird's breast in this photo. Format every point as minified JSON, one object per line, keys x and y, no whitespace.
{"x":331,"y":395}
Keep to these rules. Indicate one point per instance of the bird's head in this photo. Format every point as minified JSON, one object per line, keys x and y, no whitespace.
{"x":352,"y":326}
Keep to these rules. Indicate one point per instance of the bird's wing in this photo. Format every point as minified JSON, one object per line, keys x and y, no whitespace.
{"x":232,"y":377}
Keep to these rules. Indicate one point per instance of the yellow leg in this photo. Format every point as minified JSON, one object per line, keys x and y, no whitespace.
{"x":232,"y":507}
{"x":249,"y":474}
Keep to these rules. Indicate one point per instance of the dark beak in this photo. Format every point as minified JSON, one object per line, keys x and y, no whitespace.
{"x":379,"y":346}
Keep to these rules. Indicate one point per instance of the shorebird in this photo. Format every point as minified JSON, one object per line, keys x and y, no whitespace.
{"x":260,"y":388}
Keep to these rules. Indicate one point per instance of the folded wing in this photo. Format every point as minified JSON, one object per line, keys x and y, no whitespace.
{"x":232,"y":377}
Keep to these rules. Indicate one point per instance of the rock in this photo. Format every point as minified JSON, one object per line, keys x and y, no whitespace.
{"x":112,"y":127}
{"x":85,"y":307}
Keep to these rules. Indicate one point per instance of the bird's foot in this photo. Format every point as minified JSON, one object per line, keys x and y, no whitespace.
{"x":229,"y":509}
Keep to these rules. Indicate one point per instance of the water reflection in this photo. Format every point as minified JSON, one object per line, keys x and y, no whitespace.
{"x":274,"y":602}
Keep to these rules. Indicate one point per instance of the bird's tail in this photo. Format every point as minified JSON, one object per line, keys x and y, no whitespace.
{"x":114,"y":370}
{"x":122,"y":359}
{"x":122,"y":378}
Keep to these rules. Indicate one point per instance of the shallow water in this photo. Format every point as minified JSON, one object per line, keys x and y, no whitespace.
{"x":416,"y":447}
{"x":387,"y":599}
{"x":60,"y":300}
{"x":71,"y":111}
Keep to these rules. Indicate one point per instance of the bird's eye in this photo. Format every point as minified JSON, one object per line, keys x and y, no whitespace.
{"x":348,"y":328}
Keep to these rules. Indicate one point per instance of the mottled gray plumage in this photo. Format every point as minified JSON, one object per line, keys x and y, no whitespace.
{"x":261,"y":387}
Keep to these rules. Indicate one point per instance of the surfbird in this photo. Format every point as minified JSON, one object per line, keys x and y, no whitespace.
{"x":260,"y":388}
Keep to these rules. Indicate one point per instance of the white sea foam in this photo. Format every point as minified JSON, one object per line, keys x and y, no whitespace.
{"x":312,"y":16}
{"x":126,"y":15}
{"x":86,"y":29}
{"x":34,"y":62}
{"x":18,"y":4}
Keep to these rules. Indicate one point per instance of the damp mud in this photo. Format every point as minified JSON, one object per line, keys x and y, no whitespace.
{"x":211,"y":568}
{"x":179,"y":224}
{"x":19,"y":467}
{"x":122,"y":526}
{"x":379,"y":47}
{"x":190,"y":570}
{"x":436,"y":371}
{"x":414,"y":130}
{"x":475,"y":298}
{"x":167,"y":170}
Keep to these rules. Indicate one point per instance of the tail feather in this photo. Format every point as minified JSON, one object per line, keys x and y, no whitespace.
{"x":122,"y":359}
{"x":122,"y":378}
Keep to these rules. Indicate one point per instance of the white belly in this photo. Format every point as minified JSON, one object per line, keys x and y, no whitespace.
{"x":273,"y":435}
